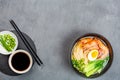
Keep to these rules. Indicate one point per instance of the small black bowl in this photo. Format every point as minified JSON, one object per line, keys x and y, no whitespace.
{"x":110,"y":54}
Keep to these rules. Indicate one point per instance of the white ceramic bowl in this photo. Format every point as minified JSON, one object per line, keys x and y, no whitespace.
{"x":4,"y":51}
{"x":15,"y":70}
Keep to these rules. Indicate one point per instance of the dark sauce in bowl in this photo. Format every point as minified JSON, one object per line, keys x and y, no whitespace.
{"x":20,"y":61}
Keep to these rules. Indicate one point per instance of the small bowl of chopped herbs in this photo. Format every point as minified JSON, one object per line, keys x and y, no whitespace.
{"x":8,"y":42}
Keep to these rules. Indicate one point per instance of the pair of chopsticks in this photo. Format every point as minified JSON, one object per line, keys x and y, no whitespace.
{"x":33,"y":53}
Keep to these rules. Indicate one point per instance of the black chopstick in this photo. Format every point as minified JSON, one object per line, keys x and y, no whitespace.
{"x":33,"y":53}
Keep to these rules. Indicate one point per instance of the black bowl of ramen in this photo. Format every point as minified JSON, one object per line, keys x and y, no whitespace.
{"x":91,"y":55}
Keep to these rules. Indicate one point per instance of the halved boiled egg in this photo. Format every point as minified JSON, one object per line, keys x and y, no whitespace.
{"x":92,"y":55}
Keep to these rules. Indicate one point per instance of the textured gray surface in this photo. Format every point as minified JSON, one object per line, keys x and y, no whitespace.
{"x":55,"y":24}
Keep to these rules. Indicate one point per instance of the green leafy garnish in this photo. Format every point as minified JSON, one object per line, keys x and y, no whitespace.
{"x":91,"y":68}
{"x":79,"y":64}
{"x":7,"y":41}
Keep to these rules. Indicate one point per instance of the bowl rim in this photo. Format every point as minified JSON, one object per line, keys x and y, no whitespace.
{"x":110,"y":54}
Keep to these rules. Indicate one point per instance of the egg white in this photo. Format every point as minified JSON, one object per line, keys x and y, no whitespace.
{"x":90,"y":56}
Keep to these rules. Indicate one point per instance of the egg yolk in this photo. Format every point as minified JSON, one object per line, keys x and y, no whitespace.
{"x":94,"y":54}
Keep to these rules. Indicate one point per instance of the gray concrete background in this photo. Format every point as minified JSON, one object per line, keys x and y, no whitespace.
{"x":55,"y":24}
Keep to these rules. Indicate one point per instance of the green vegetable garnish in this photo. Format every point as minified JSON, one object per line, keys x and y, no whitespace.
{"x":79,"y":64}
{"x":91,"y":68}
{"x":7,"y":41}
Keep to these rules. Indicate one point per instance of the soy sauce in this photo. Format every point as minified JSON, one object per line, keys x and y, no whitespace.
{"x":20,"y":61}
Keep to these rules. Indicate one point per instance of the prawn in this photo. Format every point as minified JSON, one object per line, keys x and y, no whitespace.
{"x":103,"y":50}
{"x":90,"y":45}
